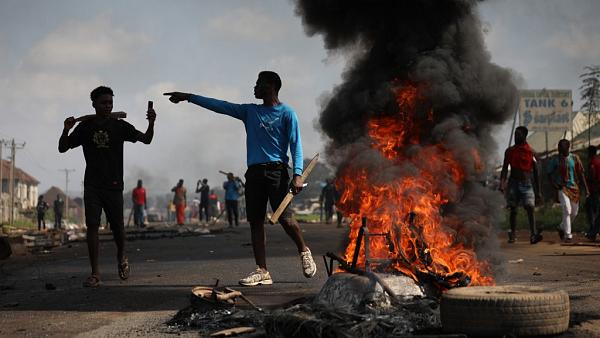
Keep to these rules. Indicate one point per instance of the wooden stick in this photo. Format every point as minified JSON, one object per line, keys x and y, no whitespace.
{"x":289,"y":196}
{"x":246,"y":299}
{"x":114,"y":115}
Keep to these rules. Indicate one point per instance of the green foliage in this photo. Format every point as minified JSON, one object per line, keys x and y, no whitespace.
{"x":590,"y":89}
{"x":24,"y":223}
{"x":307,"y":217}
{"x":548,"y":218}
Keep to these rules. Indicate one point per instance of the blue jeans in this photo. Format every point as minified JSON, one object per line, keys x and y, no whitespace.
{"x":138,"y":214}
{"x":520,"y":193}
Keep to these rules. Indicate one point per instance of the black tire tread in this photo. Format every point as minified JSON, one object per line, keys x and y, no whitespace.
{"x":523,"y":311}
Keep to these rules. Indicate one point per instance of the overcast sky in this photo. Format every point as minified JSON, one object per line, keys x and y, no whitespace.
{"x":52,"y":53}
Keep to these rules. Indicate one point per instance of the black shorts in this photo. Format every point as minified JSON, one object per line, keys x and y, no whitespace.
{"x":111,"y":201}
{"x":266,"y":183}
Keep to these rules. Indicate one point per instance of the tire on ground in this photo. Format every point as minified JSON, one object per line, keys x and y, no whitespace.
{"x":501,"y":310}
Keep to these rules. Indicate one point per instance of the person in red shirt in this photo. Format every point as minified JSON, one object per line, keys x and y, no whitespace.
{"x":180,"y":201}
{"x":593,"y":202}
{"x":523,"y":181}
{"x":138,"y":196}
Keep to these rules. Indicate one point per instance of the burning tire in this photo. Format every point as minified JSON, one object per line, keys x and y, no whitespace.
{"x":500,"y":310}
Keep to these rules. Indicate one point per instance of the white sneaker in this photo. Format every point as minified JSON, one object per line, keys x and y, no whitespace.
{"x":309,"y":268}
{"x":256,"y":277}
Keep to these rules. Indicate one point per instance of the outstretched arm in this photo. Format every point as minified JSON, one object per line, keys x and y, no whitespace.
{"x":218,"y":106}
{"x":63,"y":142}
{"x":146,"y":137}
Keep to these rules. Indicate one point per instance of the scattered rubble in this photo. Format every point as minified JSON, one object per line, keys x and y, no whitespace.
{"x":348,"y":306}
{"x":44,"y":241}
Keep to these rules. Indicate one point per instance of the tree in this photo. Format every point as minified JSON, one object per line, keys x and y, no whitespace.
{"x":590,"y":94}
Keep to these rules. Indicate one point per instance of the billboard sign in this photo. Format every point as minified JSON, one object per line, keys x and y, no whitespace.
{"x":546,"y":109}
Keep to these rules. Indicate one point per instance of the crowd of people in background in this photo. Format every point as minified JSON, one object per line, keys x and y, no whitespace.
{"x":564,"y":172}
{"x":521,"y":181}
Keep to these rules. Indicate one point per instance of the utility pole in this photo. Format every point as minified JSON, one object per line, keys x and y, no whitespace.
{"x":67,"y":171}
{"x":2,"y":143}
{"x":13,"y":155}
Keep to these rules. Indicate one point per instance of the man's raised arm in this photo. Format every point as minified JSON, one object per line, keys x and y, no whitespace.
{"x":63,"y":142}
{"x":218,"y":106}
{"x":146,"y":137}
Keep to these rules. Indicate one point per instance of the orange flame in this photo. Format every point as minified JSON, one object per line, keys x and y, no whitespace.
{"x":408,"y":208}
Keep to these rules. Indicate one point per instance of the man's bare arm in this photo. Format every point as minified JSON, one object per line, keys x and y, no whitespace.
{"x":146,"y":137}
{"x":504,"y":172}
{"x":581,"y":175}
{"x":536,"y":179}
{"x":63,"y":142}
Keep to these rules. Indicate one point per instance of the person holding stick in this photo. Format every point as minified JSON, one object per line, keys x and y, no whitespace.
{"x":271,"y":127}
{"x":102,"y":138}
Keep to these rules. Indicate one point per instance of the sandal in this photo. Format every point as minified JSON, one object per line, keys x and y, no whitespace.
{"x":124,"y":269}
{"x":93,"y":281}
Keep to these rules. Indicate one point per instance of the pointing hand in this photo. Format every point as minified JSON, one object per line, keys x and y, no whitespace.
{"x":177,"y":97}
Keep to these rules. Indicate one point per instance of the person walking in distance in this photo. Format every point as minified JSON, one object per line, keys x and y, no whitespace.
{"x":204,"y":191}
{"x":566,"y":175}
{"x":102,"y":139}
{"x":328,"y":199}
{"x":232,"y":187}
{"x":271,"y":128}
{"x":180,"y":201}
{"x":58,"y":207}
{"x":138,"y":197}
{"x":522,"y":185}
{"x":41,"y":208}
{"x":593,"y":201}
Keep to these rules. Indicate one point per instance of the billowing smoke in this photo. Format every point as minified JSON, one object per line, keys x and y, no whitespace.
{"x":436,"y":45}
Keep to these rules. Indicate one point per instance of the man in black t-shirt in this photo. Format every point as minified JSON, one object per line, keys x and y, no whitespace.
{"x":204,"y":191}
{"x":41,"y":208}
{"x":102,"y":139}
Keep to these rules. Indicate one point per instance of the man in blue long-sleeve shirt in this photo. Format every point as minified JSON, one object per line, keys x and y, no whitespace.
{"x":232,"y":187}
{"x":271,"y":128}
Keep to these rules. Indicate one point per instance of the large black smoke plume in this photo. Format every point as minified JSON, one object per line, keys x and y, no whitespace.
{"x":436,"y":45}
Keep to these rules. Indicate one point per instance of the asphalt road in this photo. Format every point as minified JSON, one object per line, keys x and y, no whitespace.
{"x":164,"y":271}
